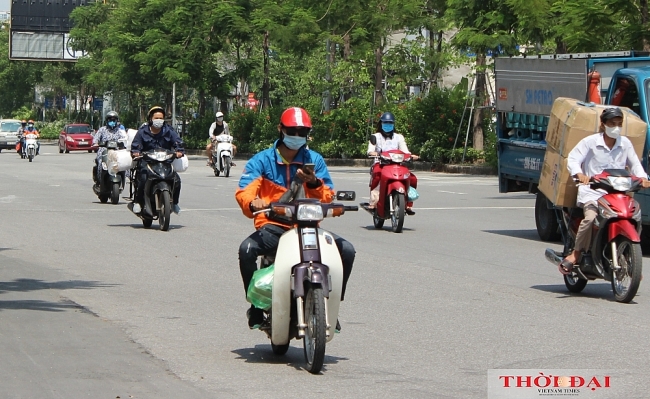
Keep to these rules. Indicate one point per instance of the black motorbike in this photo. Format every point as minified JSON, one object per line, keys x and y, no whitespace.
{"x":111,"y":182}
{"x":159,"y":187}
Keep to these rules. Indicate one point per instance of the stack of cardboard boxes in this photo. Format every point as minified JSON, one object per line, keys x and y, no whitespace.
{"x":571,"y":121}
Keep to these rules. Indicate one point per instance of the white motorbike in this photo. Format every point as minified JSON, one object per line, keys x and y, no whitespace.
{"x":31,"y":145}
{"x":307,"y":278}
{"x":222,"y":155}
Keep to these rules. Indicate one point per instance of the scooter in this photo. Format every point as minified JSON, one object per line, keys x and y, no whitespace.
{"x":159,"y":187}
{"x":30,"y":146}
{"x":222,"y":155}
{"x":307,"y":277}
{"x":393,"y":190}
{"x":615,"y":253}
{"x":112,"y":181}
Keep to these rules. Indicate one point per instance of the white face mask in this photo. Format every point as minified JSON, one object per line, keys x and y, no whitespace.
{"x":158,"y":123}
{"x":613,"y":132}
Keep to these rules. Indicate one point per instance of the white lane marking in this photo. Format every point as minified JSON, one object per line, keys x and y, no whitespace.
{"x":462,"y":208}
{"x":8,"y":199}
{"x":55,"y":185}
{"x":451,"y":192}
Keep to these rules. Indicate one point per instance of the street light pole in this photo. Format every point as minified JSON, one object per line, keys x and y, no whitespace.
{"x":174,"y":106}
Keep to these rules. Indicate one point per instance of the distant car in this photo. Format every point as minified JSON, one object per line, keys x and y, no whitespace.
{"x":8,"y":133}
{"x":76,"y":137}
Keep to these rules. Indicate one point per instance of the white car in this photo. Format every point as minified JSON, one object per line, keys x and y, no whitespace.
{"x":9,"y":133}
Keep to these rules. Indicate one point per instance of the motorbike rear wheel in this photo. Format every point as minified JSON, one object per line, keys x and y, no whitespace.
{"x":147,"y":222}
{"x":377,"y":221}
{"x":165,"y":210}
{"x":314,"y":340}
{"x":399,"y":208}
{"x":226,"y":166}
{"x":31,"y":157}
{"x":625,"y":281}
{"x":103,"y":198}
{"x":115,"y":193}
{"x":574,"y":283}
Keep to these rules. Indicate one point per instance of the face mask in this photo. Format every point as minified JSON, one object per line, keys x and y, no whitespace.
{"x":220,"y":119}
{"x":294,"y":142}
{"x":30,"y":126}
{"x":387,"y":127}
{"x":158,"y":123}
{"x":112,"y":124}
{"x":613,"y":132}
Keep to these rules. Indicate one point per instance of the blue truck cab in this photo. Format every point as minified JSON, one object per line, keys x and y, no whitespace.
{"x":525,"y":90}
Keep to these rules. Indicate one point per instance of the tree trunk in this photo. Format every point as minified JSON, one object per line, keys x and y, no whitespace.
{"x":644,"y":24}
{"x":379,"y":54}
{"x":266,"y":100}
{"x":346,"y":57}
{"x":201,"y":102}
{"x":477,"y":122}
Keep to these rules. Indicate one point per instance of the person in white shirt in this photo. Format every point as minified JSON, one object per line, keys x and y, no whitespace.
{"x":591,"y":156}
{"x":387,"y":140}
{"x":218,"y":127}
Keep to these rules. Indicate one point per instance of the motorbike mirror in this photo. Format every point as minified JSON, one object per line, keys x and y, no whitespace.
{"x":373,"y":140}
{"x":346,"y":195}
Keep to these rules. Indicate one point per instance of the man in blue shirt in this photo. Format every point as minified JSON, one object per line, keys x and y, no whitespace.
{"x":155,"y":134}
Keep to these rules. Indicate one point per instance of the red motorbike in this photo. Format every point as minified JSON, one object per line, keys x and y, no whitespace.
{"x":615,"y":253}
{"x":394,"y":184}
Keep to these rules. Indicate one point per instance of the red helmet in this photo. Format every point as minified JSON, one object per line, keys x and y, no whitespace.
{"x":295,"y":117}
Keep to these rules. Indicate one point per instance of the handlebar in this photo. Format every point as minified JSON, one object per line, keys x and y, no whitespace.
{"x":352,"y":208}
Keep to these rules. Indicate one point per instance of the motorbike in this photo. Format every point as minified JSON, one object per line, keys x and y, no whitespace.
{"x":307,"y":277}
{"x":31,"y":146}
{"x":393,"y":190}
{"x":159,"y":187}
{"x":222,"y":155}
{"x":615,"y":250}
{"x":112,"y":181}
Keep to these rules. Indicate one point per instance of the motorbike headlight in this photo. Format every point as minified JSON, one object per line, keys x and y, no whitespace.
{"x":620,"y":183}
{"x":397,"y":158}
{"x":310,"y":212}
{"x":160,"y":156}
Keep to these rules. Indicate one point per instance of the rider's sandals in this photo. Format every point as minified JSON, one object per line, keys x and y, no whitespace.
{"x":409,"y":211}
{"x":565,"y":267}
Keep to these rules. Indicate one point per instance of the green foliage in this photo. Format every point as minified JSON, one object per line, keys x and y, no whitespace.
{"x":50,"y":130}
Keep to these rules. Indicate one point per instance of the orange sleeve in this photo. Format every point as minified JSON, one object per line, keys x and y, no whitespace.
{"x":246,"y":195}
{"x":322,"y":193}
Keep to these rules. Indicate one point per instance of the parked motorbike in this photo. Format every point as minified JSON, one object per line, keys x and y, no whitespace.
{"x":615,"y":253}
{"x":393,"y":190}
{"x":112,"y":181}
{"x":222,"y":155}
{"x":159,"y":187}
{"x":307,"y":278}
{"x":31,"y":146}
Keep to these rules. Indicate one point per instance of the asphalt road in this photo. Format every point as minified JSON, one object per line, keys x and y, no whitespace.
{"x":93,"y":305}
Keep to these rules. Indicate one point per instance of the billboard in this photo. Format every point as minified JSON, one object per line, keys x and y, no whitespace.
{"x":39,"y":30}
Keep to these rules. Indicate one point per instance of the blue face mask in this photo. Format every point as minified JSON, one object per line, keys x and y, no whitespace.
{"x":387,"y":127}
{"x":112,"y":124}
{"x":293,"y":142}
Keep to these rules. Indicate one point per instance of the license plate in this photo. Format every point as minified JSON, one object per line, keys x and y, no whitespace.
{"x":83,"y":143}
{"x":11,"y":142}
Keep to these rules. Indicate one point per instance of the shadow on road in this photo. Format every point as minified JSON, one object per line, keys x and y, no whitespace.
{"x":385,"y":228}
{"x":293,"y":358}
{"x":45,"y":306}
{"x":28,"y":284}
{"x":602,"y":290}
{"x":140,"y":227}
{"x":529,"y":234}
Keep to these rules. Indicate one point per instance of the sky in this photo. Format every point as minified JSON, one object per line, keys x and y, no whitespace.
{"x":5,"y":5}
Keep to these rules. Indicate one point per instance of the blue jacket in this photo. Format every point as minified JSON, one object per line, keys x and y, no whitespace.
{"x":144,"y":140}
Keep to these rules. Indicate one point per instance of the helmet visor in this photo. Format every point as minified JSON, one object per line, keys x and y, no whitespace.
{"x":297,"y":131}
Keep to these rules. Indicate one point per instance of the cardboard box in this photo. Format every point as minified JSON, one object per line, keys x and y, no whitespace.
{"x":555,"y":181}
{"x":572,"y":120}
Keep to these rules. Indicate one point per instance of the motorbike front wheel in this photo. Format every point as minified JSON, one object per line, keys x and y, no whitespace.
{"x":103,"y":198}
{"x":377,"y":221}
{"x":279,"y":349}
{"x":31,"y":157}
{"x":626,"y":280}
{"x":147,"y":222}
{"x":314,"y":340}
{"x":165,"y":210}
{"x":226,"y":166}
{"x":115,"y":193}
{"x":399,"y":208}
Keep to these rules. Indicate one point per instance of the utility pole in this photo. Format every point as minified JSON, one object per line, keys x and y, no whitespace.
{"x":174,"y":106}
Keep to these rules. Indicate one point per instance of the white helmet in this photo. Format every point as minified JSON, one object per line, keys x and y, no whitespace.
{"x":219,"y":115}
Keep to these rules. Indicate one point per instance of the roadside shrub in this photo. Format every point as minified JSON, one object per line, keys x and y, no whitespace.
{"x":50,"y":130}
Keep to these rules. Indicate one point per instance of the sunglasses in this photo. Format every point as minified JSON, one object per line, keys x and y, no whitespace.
{"x":297,"y":131}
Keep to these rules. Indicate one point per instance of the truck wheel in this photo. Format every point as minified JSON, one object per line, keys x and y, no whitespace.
{"x":545,"y":219}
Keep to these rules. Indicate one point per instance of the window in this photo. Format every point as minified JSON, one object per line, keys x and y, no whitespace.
{"x":626,"y":94}
{"x":9,"y":126}
{"x":78,"y":129}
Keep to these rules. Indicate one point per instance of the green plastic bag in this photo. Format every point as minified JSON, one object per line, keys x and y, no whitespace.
{"x":261,"y":287}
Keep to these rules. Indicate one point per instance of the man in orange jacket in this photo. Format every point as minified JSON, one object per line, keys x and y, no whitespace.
{"x":266,"y":177}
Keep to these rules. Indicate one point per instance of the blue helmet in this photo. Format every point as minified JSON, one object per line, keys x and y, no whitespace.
{"x":387,"y":117}
{"x":387,"y":124}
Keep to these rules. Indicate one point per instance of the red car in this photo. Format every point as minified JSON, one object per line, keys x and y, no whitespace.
{"x":76,"y":137}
